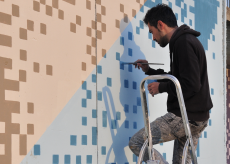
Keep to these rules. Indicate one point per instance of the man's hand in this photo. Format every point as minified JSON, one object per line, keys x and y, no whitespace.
{"x":144,"y":67}
{"x":153,"y":88}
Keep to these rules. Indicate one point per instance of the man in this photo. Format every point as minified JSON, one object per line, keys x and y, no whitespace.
{"x":188,"y":65}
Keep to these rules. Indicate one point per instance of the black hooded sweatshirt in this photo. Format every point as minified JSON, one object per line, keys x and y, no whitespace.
{"x":188,"y":64}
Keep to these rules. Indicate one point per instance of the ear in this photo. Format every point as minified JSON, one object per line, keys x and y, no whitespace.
{"x":160,"y":25}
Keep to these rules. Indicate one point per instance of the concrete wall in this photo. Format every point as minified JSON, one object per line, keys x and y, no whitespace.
{"x":65,"y":96}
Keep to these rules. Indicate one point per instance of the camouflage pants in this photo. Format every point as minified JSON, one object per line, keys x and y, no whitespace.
{"x":167,"y":128}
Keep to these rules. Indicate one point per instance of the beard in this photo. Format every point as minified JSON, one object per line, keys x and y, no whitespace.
{"x":163,"y":41}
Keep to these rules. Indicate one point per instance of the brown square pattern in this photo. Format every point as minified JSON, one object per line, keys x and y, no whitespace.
{"x":61,"y":14}
{"x":23,"y":55}
{"x":55,"y":4}
{"x":98,"y":2}
{"x":117,"y":23}
{"x":49,"y":69}
{"x":43,"y":28}
{"x":103,"y":52}
{"x":78,"y":20}
{"x":73,"y":27}
{"x":88,"y":31}
{"x":103,"y":10}
{"x":15,"y":10}
{"x":122,"y":8}
{"x":83,"y":66}
{"x":30,"y":107}
{"x":88,"y":5}
{"x":93,"y":42}
{"x":30,"y":25}
{"x":93,"y":60}
{"x":49,"y":10}
{"x":98,"y":17}
{"x":43,"y":2}
{"x":23,"y":33}
{"x":99,"y":34}
{"x":36,"y":67}
{"x":103,"y":27}
{"x":88,"y":49}
{"x":93,"y":25}
{"x":22,"y":75}
{"x":133,"y":13}
{"x":30,"y":129}
{"x":36,"y":6}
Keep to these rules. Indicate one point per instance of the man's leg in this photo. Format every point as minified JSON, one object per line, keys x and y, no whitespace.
{"x":161,"y":130}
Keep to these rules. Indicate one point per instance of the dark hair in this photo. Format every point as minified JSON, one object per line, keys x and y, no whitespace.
{"x":160,"y":12}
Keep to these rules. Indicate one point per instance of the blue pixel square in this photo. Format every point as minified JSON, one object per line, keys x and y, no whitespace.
{"x":212,"y":91}
{"x":161,"y":144}
{"x":210,"y":122}
{"x":118,"y":115}
{"x":84,"y":85}
{"x":99,"y":69}
{"x":134,"y":85}
{"x":103,"y":150}
{"x":89,"y":159}
{"x":55,"y":159}
{"x":122,"y":65}
{"x":67,"y":159}
{"x":104,"y":118}
{"x":36,"y":149}
{"x":78,"y":159}
{"x":134,"y":158}
{"x":126,"y":124}
{"x":190,"y":22}
{"x":153,"y":44}
{"x":176,"y":16}
{"x":113,"y":124}
{"x":94,"y":135}
{"x":150,"y":35}
{"x":138,"y":101}
{"x":109,"y":82}
{"x":73,"y":140}
{"x":213,"y":38}
{"x":170,"y":4}
{"x":83,"y":103}
{"x":200,"y":135}
{"x":130,"y":35}
{"x":134,"y":125}
{"x":205,"y":134}
{"x":94,"y":113}
{"x":138,"y":30}
{"x":198,"y":148}
{"x":84,"y":139}
{"x":141,"y":24}
{"x":118,"y":56}
{"x":122,"y":41}
{"x":126,"y":83}
{"x":130,"y":52}
{"x":99,"y":95}
{"x":84,"y":121}
{"x":126,"y":108}
{"x":213,"y":55}
{"x":105,"y":56}
{"x":94,"y":78}
{"x":88,"y":94}
{"x":210,"y":111}
{"x":164,"y":156}
{"x":130,"y":68}
{"x":135,"y":109}
{"x":142,"y":9}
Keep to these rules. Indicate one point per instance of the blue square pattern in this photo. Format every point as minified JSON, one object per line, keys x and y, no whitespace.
{"x":73,"y":140}
{"x":67,"y":159}
{"x":88,"y":94}
{"x":55,"y":159}
{"x":84,"y":121}
{"x":104,"y":118}
{"x":105,"y":56}
{"x":130,"y":35}
{"x":126,"y":83}
{"x":78,"y":159}
{"x":99,"y":95}
{"x":190,"y":22}
{"x":213,"y":55}
{"x":134,"y":158}
{"x":122,"y":41}
{"x":84,"y":85}
{"x":130,"y":68}
{"x":210,"y":111}
{"x":94,"y":78}
{"x":84,"y":139}
{"x":142,"y":9}
{"x":109,"y":82}
{"x":118,"y":115}
{"x":135,"y":109}
{"x":118,"y":56}
{"x":134,"y":85}
{"x":134,"y":125}
{"x":89,"y":159}
{"x":176,"y":16}
{"x":210,"y":122}
{"x":113,"y":124}
{"x":94,"y":135}
{"x":153,"y":44}
{"x":212,"y":91}
{"x":138,"y":101}
{"x":138,"y":30}
{"x":126,"y":108}
{"x":170,"y":4}
{"x":130,"y":52}
{"x":122,"y":66}
{"x":200,"y":135}
{"x":150,"y":35}
{"x":94,"y":113}
{"x":205,"y":134}
{"x":161,"y":144}
{"x":213,"y":38}
{"x":83,"y":103}
{"x":164,"y":156}
{"x":198,"y":149}
{"x":103,"y":150}
{"x":126,"y":124}
{"x":141,"y":24}
{"x":37,"y":150}
{"x":99,"y":69}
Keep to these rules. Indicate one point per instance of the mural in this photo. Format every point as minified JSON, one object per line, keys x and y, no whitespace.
{"x":68,"y":98}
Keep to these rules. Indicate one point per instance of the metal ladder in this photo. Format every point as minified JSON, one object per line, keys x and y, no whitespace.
{"x":189,"y":143}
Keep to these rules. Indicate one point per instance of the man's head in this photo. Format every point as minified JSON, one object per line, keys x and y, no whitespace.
{"x":161,"y":22}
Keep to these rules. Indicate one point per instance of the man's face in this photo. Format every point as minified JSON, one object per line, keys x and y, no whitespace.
{"x":158,"y":36}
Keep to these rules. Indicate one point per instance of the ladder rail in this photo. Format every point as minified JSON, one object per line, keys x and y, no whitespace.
{"x":182,"y":109}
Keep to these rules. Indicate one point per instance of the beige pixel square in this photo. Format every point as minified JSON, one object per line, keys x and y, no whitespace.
{"x":88,"y":5}
{"x":2,"y":127}
{"x":60,"y":14}
{"x":49,"y":10}
{"x":93,"y":25}
{"x":55,"y":3}
{"x":22,"y":75}
{"x":36,"y":67}
{"x":134,"y":13}
{"x":23,"y":55}
{"x":103,"y":10}
{"x":30,"y":25}
{"x":43,"y":28}
{"x":30,"y":107}
{"x":103,"y":27}
{"x":15,"y":10}
{"x":99,"y":34}
{"x":36,"y":6}
{"x":88,"y":31}
{"x":78,"y":20}
{"x":73,"y":27}
{"x":43,"y":2}
{"x":83,"y":66}
{"x":88,"y":49}
{"x":98,"y":17}
{"x":2,"y":149}
{"x":117,"y":23}
{"x":122,"y":8}
{"x":23,"y":33}
{"x":98,"y":2}
{"x":30,"y":129}
{"x":49,"y":70}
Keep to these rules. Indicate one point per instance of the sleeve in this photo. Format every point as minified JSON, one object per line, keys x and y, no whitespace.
{"x":187,"y":62}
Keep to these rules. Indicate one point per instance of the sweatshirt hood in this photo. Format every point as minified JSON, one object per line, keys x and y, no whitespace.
{"x":184,"y":29}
